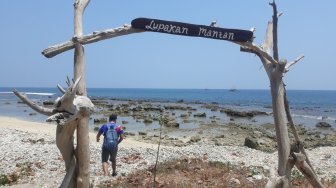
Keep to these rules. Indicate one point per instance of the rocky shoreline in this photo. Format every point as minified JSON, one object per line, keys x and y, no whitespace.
{"x":186,"y":123}
{"x":37,"y":162}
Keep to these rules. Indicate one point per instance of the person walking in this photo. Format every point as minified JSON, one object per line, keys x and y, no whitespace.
{"x":113,"y":135}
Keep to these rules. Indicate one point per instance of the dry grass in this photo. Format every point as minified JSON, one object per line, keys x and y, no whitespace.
{"x":190,"y":173}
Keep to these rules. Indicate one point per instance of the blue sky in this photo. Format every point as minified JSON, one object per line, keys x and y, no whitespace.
{"x":154,"y":60}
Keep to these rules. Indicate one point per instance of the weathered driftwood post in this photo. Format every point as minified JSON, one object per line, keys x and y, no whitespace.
{"x":275,"y":70}
{"x":71,"y":112}
{"x":82,"y":150}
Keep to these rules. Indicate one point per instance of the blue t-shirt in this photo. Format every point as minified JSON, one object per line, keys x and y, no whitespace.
{"x":103,"y":129}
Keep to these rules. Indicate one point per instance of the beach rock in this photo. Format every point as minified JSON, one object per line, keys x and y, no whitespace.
{"x":173,"y":124}
{"x":235,"y":181}
{"x":167,"y":118}
{"x":324,"y":118}
{"x":186,"y":121}
{"x":137,"y":109}
{"x":99,"y":102}
{"x":142,"y":133}
{"x":270,"y":134}
{"x":184,"y":115}
{"x":124,"y":122}
{"x":200,"y":114}
{"x":251,"y":143}
{"x":214,"y":109}
{"x":148,"y":121}
{"x":129,"y":134}
{"x":96,"y":129}
{"x":176,"y":107}
{"x":257,"y":134}
{"x":220,"y":136}
{"x":48,"y":103}
{"x":323,"y":125}
{"x":195,"y":138}
{"x":180,"y":101}
{"x":33,"y":114}
{"x":249,"y":114}
{"x":152,"y":108}
{"x":100,"y":120}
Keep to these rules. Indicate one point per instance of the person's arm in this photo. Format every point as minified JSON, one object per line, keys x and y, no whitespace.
{"x":121,"y":138}
{"x":98,"y":136}
{"x":120,"y":131}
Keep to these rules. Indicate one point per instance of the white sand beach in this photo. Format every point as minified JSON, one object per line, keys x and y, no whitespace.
{"x":34,"y":143}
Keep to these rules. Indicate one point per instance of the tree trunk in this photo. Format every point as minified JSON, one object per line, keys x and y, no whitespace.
{"x":64,"y":142}
{"x":277,"y":91}
{"x":82,"y":150}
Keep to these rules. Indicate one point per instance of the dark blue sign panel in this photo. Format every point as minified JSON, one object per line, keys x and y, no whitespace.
{"x":186,"y":29}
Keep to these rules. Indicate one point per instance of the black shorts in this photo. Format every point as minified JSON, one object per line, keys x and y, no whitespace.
{"x":112,"y":153}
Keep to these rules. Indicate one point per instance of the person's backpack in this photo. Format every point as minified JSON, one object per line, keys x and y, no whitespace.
{"x":111,"y":137}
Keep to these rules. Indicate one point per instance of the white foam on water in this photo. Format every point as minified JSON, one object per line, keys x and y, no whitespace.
{"x":29,"y":93}
{"x":315,"y":117}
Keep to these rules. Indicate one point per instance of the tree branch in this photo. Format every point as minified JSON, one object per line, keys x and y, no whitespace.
{"x":258,"y":50}
{"x":267,"y":65}
{"x":293,"y":62}
{"x":63,"y":91}
{"x":268,"y":41}
{"x":90,"y":38}
{"x":293,"y":128}
{"x":306,"y":170}
{"x":275,"y":32}
{"x":34,"y":106}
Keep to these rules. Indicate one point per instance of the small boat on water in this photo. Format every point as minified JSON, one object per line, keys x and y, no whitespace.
{"x":233,"y":89}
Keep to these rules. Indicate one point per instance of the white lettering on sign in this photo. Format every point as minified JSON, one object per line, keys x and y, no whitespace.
{"x":215,"y":34}
{"x":169,"y":28}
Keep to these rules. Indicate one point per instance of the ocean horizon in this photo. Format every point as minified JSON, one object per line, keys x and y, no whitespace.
{"x":307,"y":106}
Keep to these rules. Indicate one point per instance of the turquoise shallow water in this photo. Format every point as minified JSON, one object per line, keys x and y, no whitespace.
{"x":308,"y":107}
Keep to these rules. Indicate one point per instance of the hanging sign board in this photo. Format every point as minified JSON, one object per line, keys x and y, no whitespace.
{"x":186,"y":29}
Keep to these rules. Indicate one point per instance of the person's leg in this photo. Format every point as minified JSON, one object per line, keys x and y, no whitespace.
{"x":114,"y":161}
{"x":105,"y":155}
{"x":105,"y":168}
{"x":114,"y":166}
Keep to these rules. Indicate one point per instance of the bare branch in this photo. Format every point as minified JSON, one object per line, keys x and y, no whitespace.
{"x":275,"y":31}
{"x":268,"y":41}
{"x":34,"y":106}
{"x":62,"y":90}
{"x":68,"y":81}
{"x":257,"y":50}
{"x":293,"y":128}
{"x":293,"y":62}
{"x":306,"y":170}
{"x":65,"y":103}
{"x":280,"y":14}
{"x":90,"y":38}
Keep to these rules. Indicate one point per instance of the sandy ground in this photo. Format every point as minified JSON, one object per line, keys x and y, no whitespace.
{"x":50,"y":129}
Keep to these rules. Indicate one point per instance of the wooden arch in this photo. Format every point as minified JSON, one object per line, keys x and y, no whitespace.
{"x":73,"y":109}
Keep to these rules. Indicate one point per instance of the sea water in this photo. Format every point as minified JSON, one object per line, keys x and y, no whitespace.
{"x":307,"y":106}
